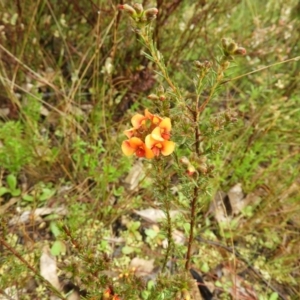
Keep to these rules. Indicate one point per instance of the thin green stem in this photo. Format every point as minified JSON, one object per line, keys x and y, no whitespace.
{"x":145,"y":35}
{"x":204,"y":104}
{"x":263,"y":68}
{"x":163,"y":191}
{"x":197,"y":112}
{"x":192,"y":226}
{"x":169,"y":237}
{"x":220,"y":74}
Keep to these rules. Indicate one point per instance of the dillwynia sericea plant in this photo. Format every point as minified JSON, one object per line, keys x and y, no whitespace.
{"x":183,"y":154}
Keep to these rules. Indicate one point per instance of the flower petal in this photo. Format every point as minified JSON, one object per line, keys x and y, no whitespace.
{"x":148,"y":153}
{"x":156,"y":134}
{"x":127,"y":149}
{"x":148,"y":114}
{"x":166,"y":124}
{"x":168,"y":148}
{"x":137,"y":146}
{"x":149,"y":141}
{"x":137,"y":121}
{"x":154,"y":119}
{"x":165,"y":128}
{"x":143,"y":151}
{"x":136,"y":142}
{"x":130,"y":132}
{"x":157,"y":147}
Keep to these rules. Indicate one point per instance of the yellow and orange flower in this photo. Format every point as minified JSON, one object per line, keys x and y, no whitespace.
{"x":149,"y":136}
{"x":138,"y":120}
{"x":155,"y":120}
{"x":130,"y":132}
{"x":137,"y":146}
{"x":158,"y":147}
{"x":107,"y":294}
{"x":139,"y":123}
{"x":162,"y":131}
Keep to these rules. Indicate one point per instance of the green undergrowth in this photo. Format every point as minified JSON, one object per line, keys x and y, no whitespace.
{"x":72,"y":74}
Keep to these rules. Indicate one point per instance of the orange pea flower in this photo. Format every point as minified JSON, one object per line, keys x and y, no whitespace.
{"x":154,"y":119}
{"x":162,"y":131}
{"x":159,"y":146}
{"x":130,"y":132}
{"x":107,"y":293}
{"x":157,"y":132}
{"x":137,"y":146}
{"x":138,"y":120}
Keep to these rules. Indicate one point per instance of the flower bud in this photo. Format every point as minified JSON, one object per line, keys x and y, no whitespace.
{"x":230,"y":116}
{"x":203,"y":168}
{"x":153,"y":97}
{"x":184,"y":160}
{"x":127,"y":8}
{"x":151,"y":13}
{"x":240,"y":51}
{"x":231,"y":47}
{"x":202,"y":159}
{"x":178,"y":296}
{"x":198,"y":64}
{"x":225,"y":43}
{"x":207,"y":64}
{"x":191,"y":170}
{"x":185,"y":295}
{"x":162,"y":97}
{"x":138,"y":7}
{"x":160,"y":89}
{"x":226,"y":63}
{"x":106,"y":294}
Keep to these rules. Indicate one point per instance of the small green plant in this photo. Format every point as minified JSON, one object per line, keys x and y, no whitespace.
{"x":71,"y":73}
{"x":195,"y":135}
{"x":14,"y":151}
{"x":39,"y":193}
{"x":133,"y":237}
{"x":11,"y":188}
{"x":58,"y":246}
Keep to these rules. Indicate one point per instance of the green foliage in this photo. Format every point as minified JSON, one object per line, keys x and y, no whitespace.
{"x":11,"y":188}
{"x":39,"y":194}
{"x":15,"y":151}
{"x":72,"y":75}
{"x":87,"y":155}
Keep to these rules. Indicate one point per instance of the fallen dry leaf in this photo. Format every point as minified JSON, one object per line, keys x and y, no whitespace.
{"x":236,"y":196}
{"x":135,"y":175}
{"x":154,"y":215}
{"x":10,"y":293}
{"x":142,"y":266}
{"x":217,"y":208}
{"x":36,"y":214}
{"x":178,"y":238}
{"x":48,"y":269}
